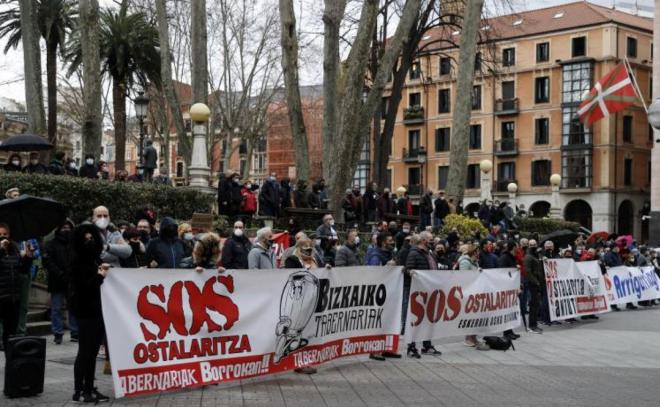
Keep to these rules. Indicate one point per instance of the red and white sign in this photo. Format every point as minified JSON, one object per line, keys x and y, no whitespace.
{"x":575,"y":289}
{"x":174,"y":329}
{"x":462,"y":302}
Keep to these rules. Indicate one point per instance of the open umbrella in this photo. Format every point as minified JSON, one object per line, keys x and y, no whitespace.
{"x":561,"y":238}
{"x":624,"y":241}
{"x":596,"y":236}
{"x":29,"y":217}
{"x":25,"y":142}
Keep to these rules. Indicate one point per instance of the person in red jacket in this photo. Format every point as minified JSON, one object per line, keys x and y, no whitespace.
{"x":248,"y":203}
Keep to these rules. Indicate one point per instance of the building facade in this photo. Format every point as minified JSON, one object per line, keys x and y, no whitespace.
{"x":529,"y":83}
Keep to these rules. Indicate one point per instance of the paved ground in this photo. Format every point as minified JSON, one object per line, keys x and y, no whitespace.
{"x":611,"y":362}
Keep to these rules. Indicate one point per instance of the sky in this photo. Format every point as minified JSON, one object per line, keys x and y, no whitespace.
{"x":11,"y":64}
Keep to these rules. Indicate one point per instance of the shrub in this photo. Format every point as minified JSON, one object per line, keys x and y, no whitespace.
{"x":543,"y":226}
{"x":123,"y":199}
{"x":464,"y":225}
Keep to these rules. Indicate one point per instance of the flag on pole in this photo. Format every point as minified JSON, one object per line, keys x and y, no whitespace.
{"x":612,"y":93}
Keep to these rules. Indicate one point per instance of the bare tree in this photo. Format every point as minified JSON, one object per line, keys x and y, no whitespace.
{"x":34,"y":98}
{"x":91,"y":63}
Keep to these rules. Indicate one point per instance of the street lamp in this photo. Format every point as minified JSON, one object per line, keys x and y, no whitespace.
{"x":199,"y":170}
{"x":512,"y":188}
{"x":141,"y":107}
{"x":421,"y":159}
{"x":555,"y":210}
{"x":485,"y":166}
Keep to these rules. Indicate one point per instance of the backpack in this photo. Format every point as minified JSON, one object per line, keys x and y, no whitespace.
{"x":499,"y":343}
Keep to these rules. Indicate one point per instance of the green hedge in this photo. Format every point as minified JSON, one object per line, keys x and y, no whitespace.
{"x":544,"y":226}
{"x":123,"y":199}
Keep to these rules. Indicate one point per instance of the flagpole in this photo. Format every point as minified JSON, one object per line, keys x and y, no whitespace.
{"x":635,"y":85}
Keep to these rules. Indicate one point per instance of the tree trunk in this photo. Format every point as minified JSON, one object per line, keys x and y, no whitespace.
{"x":34,"y":98}
{"x":245,"y":171}
{"x":199,"y":61}
{"x":174,"y":110}
{"x":119,"y":111}
{"x":51,"y":78}
{"x":289,"y":41}
{"x":463,"y":107}
{"x":332,"y":16}
{"x":91,"y":60}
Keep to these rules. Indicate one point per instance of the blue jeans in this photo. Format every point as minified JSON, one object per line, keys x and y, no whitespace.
{"x":56,"y":304}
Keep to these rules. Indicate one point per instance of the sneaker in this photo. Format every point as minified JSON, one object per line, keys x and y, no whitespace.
{"x":83,"y":398}
{"x":76,"y":396}
{"x":431,"y":351}
{"x":377,"y":356}
{"x":482,"y":346}
{"x":535,"y":330}
{"x":58,"y":339}
{"x":100,"y":397}
{"x":305,"y":370}
{"x":392,"y":355}
{"x":413,"y":352}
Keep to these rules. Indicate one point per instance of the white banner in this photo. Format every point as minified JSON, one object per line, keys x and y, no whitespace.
{"x":173,"y":329}
{"x":462,"y":302}
{"x":628,"y":284}
{"x":575,"y":289}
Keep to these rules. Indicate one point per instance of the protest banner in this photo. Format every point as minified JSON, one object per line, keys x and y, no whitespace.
{"x":173,"y":329}
{"x":462,"y":302}
{"x":629,"y":284}
{"x":574,"y":289}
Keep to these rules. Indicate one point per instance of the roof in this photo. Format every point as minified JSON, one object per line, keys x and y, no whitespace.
{"x":563,"y":17}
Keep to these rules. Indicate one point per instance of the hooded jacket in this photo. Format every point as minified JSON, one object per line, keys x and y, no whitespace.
{"x":57,"y":260}
{"x":85,"y":286}
{"x":11,"y":265}
{"x":167,"y":250}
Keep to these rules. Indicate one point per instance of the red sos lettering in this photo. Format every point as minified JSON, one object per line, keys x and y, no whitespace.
{"x":435,"y":306}
{"x":550,"y":269}
{"x":170,"y":311}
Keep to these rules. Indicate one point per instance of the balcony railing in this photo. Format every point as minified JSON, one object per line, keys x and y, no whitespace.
{"x":413,"y":115}
{"x":506,"y":106}
{"x":501,"y":185}
{"x":414,"y":190}
{"x":410,"y":155}
{"x":506,"y":147}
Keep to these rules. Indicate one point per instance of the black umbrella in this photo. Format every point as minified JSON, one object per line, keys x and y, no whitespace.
{"x":561,"y":238}
{"x":30,"y":217}
{"x":25,"y":142}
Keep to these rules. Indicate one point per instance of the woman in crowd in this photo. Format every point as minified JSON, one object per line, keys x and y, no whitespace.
{"x":205,"y":254}
{"x":187,"y":237}
{"x":469,"y":260}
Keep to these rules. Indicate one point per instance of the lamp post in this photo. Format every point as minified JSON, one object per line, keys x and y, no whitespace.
{"x":512,"y":188}
{"x":486,"y":184}
{"x":141,"y":106}
{"x":555,"y":209}
{"x":199,"y":170}
{"x":421,"y":159}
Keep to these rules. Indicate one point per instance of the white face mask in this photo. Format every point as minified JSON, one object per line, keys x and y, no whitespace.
{"x":102,"y":223}
{"x":72,"y":165}
{"x":331,"y":223}
{"x":89,"y":161}
{"x":356,"y":241}
{"x":16,"y":162}
{"x":238,"y":232}
{"x":188,"y":236}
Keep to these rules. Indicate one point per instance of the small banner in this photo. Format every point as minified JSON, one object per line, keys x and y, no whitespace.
{"x":174,"y":329}
{"x":575,"y":289}
{"x":462,"y":302}
{"x":628,"y":284}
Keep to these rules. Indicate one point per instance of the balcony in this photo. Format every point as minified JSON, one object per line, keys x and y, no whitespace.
{"x":506,"y":147}
{"x":505,"y":107}
{"x":501,"y":185}
{"x":411,"y":156}
{"x":414,"y":190}
{"x":413,"y":115}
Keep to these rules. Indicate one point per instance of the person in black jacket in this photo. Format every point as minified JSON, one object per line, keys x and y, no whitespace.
{"x":441,"y":209}
{"x":300,"y":198}
{"x":426,"y":209}
{"x":56,"y":166}
{"x":236,"y":249}
{"x":235,"y":196}
{"x":13,"y":164}
{"x":150,"y":160}
{"x":285,"y":194}
{"x":224,"y":193}
{"x":87,"y":274}
{"x":138,"y":257}
{"x":370,"y":203}
{"x":12,"y":263}
{"x":57,"y":258}
{"x":508,"y":260}
{"x":269,"y":197}
{"x":89,"y":170}
{"x":35,"y":166}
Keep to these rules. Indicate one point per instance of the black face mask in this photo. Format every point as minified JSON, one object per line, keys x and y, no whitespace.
{"x":66,"y":234}
{"x":89,"y":245}
{"x":135,"y":246}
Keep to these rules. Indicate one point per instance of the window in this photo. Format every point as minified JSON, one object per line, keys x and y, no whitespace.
{"x":542,"y":90}
{"x":413,"y":178}
{"x":506,"y":172}
{"x":476,"y":97}
{"x":445,"y":66}
{"x":543,"y":52}
{"x":576,"y":168}
{"x":473,"y":176}
{"x":541,"y":173}
{"x":361,"y":176}
{"x":443,"y":172}
{"x":444,"y":102}
{"x":508,"y":90}
{"x":475,"y":137}
{"x":579,"y":46}
{"x":627,"y":172}
{"x":631,"y":47}
{"x":242,"y":148}
{"x":576,"y":79}
{"x":415,"y":99}
{"x":477,"y":62}
{"x":508,"y":130}
{"x":627,"y":129}
{"x":415,"y":70}
{"x":573,"y":131}
{"x":442,"y":136}
{"x":541,"y":131}
{"x":508,"y":57}
{"x":413,"y":141}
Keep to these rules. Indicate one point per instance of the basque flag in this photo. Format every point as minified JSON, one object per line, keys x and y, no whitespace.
{"x":611,"y":94}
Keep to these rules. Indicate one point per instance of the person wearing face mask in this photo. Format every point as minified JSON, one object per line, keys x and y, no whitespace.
{"x":300,"y":195}
{"x":89,"y":169}
{"x":285,"y":194}
{"x":13,"y":164}
{"x":487,"y":259}
{"x":162,"y":178}
{"x":224,"y":193}
{"x":248,"y":203}
{"x":444,"y":262}
{"x":385,"y":205}
{"x":103,"y":171}
{"x":144,"y":229}
{"x":236,"y":249}
{"x":138,"y":258}
{"x":57,"y":259}
{"x":56,"y":166}
{"x":34,"y":166}
{"x":138,"y":175}
{"x":114,"y":245}
{"x":441,"y":209}
{"x":235,"y":197}
{"x":166,"y":251}
{"x":205,"y":254}
{"x":186,"y":235}
{"x":346,"y":254}
{"x":269,"y":197}
{"x":327,"y":228}
{"x":71,"y":168}
{"x":262,"y":255}
{"x":322,"y":193}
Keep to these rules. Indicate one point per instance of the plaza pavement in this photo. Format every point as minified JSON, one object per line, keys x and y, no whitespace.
{"x":611,"y":362}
